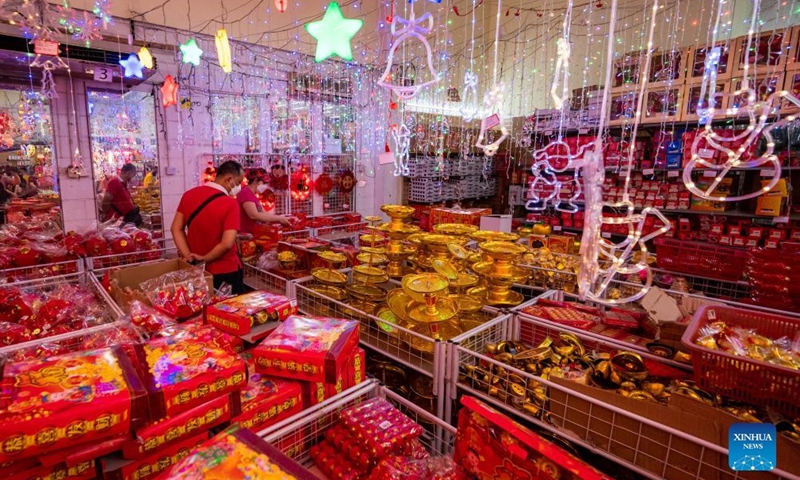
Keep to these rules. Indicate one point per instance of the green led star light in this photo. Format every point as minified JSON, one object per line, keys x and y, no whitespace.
{"x":334,"y":33}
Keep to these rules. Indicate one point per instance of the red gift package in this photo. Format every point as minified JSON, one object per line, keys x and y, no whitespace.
{"x":186,"y":370}
{"x":308,"y":349}
{"x":238,"y":315}
{"x":490,"y":445}
{"x":266,"y":401}
{"x":237,"y":454}
{"x":334,"y":464}
{"x":154,"y":436}
{"x":115,"y":468}
{"x":66,"y":400}
{"x":380,"y":427}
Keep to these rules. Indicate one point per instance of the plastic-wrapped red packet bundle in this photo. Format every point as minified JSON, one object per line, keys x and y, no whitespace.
{"x":380,"y":426}
{"x":148,"y":318}
{"x":179,"y":294}
{"x":415,"y":449}
{"x":340,"y":438}
{"x":334,"y":464}
{"x":405,"y":468}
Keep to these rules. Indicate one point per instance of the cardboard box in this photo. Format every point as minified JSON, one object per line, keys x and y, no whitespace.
{"x":497,"y":223}
{"x":238,"y":315}
{"x":131,"y":277}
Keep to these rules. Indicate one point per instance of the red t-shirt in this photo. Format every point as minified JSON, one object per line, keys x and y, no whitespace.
{"x":121,"y":202}
{"x":206,"y":229}
{"x":244,"y":196}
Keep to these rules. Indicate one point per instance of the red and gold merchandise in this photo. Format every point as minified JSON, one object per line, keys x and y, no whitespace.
{"x":186,"y":370}
{"x":238,"y":315}
{"x":154,"y":464}
{"x":154,"y":436}
{"x":67,"y":400}
{"x":352,"y":373}
{"x":490,"y":445}
{"x":237,"y":454}
{"x":267,"y":400}
{"x":81,"y":471}
{"x":380,"y":427}
{"x":307,"y":349}
{"x":467,"y":216}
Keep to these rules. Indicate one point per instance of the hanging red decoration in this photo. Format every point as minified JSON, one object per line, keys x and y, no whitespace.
{"x":278,"y":180}
{"x":346,"y":181}
{"x":323,"y":184}
{"x":301,"y":184}
{"x":210,"y":173}
{"x":281,"y":5}
{"x":267,"y":199}
{"x":169,"y":92}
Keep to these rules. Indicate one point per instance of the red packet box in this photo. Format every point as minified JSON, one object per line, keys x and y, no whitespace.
{"x":481,"y":453}
{"x":795,"y":234}
{"x":379,"y":426}
{"x":772,"y":243}
{"x":738,"y":240}
{"x":183,"y":372}
{"x":307,"y":349}
{"x":81,"y":471}
{"x":75,"y":456}
{"x":115,"y":468}
{"x":238,"y":315}
{"x":237,"y":454}
{"x":202,"y":418}
{"x":751,"y":242}
{"x":67,"y":400}
{"x":268,"y":400}
{"x":778,"y":234}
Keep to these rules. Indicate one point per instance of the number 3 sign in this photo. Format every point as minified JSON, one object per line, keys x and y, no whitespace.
{"x":103,"y":74}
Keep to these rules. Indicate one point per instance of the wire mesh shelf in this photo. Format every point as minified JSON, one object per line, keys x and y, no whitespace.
{"x":259,"y":279}
{"x":294,"y":436}
{"x":46,"y":270}
{"x":649,"y":448}
{"x":342,"y":197}
{"x":102,"y":264}
{"x":338,"y":232}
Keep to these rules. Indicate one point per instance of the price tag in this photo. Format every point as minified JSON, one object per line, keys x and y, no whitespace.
{"x":706,"y":153}
{"x":780,"y":220}
{"x":103,"y":74}
{"x":768,"y":173}
{"x":712,"y":315}
{"x":648,"y":171}
{"x":583,"y":131}
{"x":672,"y":174}
{"x":45,"y":47}
{"x":606,"y":235}
{"x":709,"y":173}
{"x":556,"y":228}
{"x":548,"y":132}
{"x":623,"y":173}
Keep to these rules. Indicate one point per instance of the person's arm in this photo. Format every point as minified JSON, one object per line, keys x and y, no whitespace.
{"x":252,"y":211}
{"x":105,"y":205}
{"x":220,"y":249}
{"x":179,"y":236}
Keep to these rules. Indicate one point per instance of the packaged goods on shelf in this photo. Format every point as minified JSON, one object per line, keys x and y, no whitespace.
{"x":240,"y":314}
{"x":173,"y":296}
{"x":267,"y":400}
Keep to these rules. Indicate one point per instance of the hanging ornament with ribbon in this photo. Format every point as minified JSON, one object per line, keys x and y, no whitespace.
{"x":412,"y":28}
{"x":346,"y":181}
{"x":324,"y":184}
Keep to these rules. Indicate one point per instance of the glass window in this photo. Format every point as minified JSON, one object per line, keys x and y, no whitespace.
{"x":27,"y":161}
{"x":122,"y":130}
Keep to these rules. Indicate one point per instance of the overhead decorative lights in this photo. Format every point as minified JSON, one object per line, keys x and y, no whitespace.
{"x":145,"y":57}
{"x":412,"y":28}
{"x":223,"y":46}
{"x":191,"y":52}
{"x":169,"y":92}
{"x":281,"y":5}
{"x":133,"y":67}
{"x":333,"y":34}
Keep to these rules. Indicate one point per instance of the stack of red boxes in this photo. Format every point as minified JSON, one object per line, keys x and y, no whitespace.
{"x":256,"y":312}
{"x":322,"y":354}
{"x":468,"y":216}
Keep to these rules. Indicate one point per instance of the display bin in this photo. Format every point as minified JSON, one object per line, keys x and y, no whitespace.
{"x":739,"y":377}
{"x":259,"y":279}
{"x":394,"y":342}
{"x":103,"y":263}
{"x":656,"y":441}
{"x":713,"y":261}
{"x":296,"y":234}
{"x":295,"y":435}
{"x":85,"y":279}
{"x":45,"y":270}
{"x":335,"y":232}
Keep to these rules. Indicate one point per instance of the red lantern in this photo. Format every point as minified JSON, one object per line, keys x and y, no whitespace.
{"x":301,"y":184}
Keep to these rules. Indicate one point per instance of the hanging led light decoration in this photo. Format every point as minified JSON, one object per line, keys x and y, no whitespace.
{"x":169,"y":92}
{"x":301,"y":184}
{"x":492,"y":102}
{"x":412,"y":28}
{"x":281,"y":5}
{"x":401,"y":135}
{"x":191,"y":52}
{"x":145,"y":57}
{"x":223,"y":46}
{"x":333,"y":34}
{"x":548,"y":163}
{"x":133,"y":67}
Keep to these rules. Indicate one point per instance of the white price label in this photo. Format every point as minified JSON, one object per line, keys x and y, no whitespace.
{"x":768,"y":173}
{"x":556,"y":228}
{"x":712,"y":315}
{"x":548,"y":132}
{"x":623,"y":173}
{"x":709,"y":173}
{"x":706,"y":153}
{"x":780,"y":220}
{"x":672,"y":174}
{"x":606,"y":235}
{"x":103,"y":74}
{"x":648,"y":171}
{"x":583,"y":131}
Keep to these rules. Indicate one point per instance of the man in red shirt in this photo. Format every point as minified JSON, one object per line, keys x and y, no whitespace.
{"x":206,"y":224}
{"x":117,"y":202}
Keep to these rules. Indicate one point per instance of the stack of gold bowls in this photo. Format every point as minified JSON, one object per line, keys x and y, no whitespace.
{"x":397,"y":251}
{"x":500,"y":273}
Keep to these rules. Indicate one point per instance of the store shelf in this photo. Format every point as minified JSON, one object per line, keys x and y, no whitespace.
{"x":259,"y":279}
{"x":649,"y":448}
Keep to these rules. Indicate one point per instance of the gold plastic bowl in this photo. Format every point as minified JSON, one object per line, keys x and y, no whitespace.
{"x":502,"y":250}
{"x":422,"y":284}
{"x":399,"y":212}
{"x":492,"y":236}
{"x":329,"y":277}
{"x":445,"y":268}
{"x":457,"y":229}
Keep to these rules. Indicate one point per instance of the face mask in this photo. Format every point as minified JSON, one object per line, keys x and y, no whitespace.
{"x":261,"y":188}
{"x":235,"y":190}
